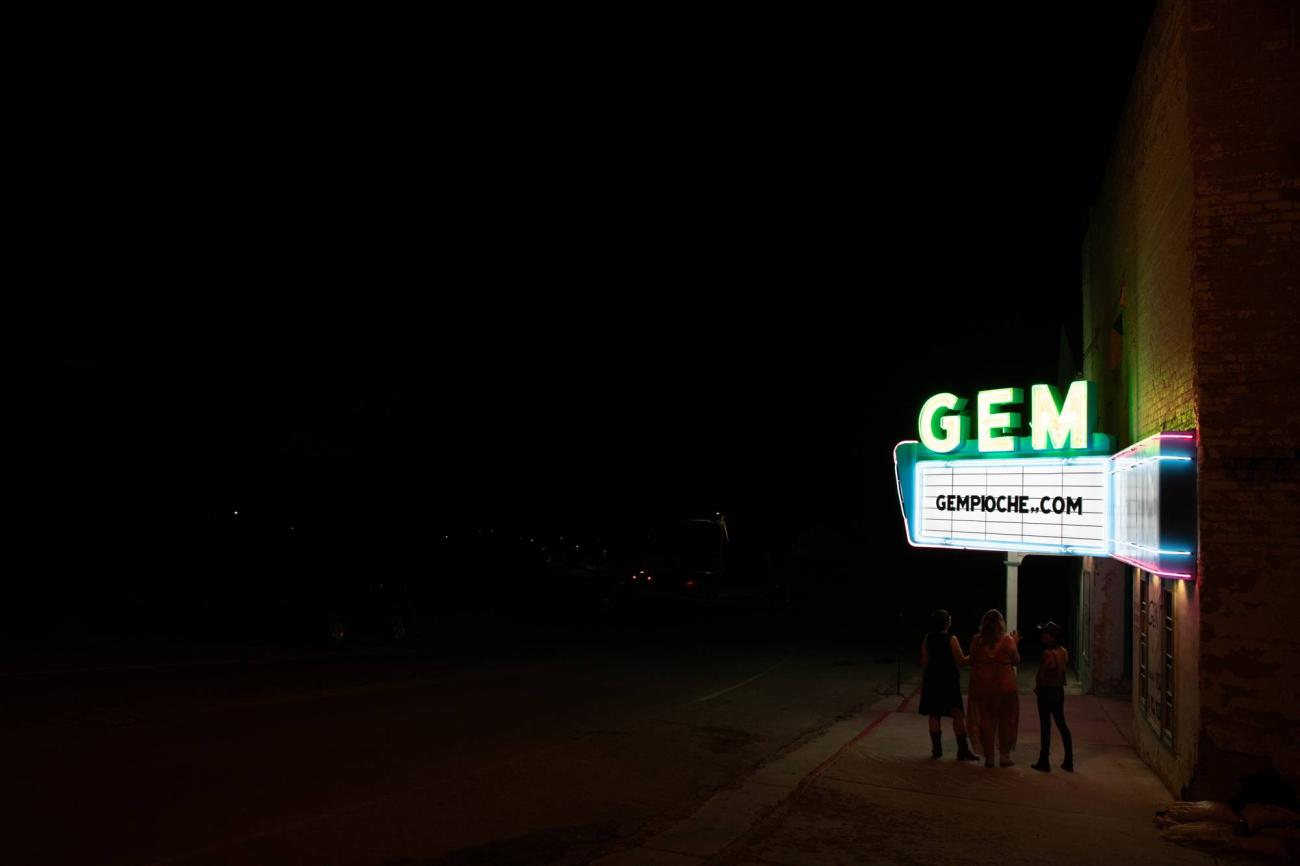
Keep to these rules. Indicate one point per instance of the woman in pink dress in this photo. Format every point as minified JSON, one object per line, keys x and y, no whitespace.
{"x":995,"y":704}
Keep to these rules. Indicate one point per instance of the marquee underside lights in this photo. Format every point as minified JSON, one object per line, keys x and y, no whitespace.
{"x":1058,"y":490}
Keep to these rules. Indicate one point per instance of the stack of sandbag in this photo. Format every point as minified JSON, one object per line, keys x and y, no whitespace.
{"x":1197,"y":812}
{"x":1215,"y":827}
{"x":1206,"y":825}
{"x":1273,"y":830}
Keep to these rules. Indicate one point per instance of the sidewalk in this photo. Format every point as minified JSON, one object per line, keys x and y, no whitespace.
{"x":881,"y":799}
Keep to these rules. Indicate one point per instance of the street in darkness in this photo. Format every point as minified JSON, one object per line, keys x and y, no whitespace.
{"x":591,"y":440}
{"x":504,"y":753}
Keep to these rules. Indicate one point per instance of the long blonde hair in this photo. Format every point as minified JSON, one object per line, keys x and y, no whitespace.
{"x":992,"y":628}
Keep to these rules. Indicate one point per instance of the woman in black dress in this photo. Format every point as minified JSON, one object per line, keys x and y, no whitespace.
{"x":941,"y":685}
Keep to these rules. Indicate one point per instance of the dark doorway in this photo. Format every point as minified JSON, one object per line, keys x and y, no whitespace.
{"x":1047,"y":593}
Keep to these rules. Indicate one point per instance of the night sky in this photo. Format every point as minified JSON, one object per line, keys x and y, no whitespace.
{"x":560,"y":288}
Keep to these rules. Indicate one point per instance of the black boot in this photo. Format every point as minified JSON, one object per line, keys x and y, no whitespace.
{"x":1043,"y":764}
{"x":936,"y":750}
{"x":1068,"y":764}
{"x":963,"y":751}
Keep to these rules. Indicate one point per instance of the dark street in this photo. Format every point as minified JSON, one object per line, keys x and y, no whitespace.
{"x":491,"y":752}
{"x":557,"y":437}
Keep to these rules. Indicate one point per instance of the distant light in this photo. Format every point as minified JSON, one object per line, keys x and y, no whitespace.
{"x":236,"y":513}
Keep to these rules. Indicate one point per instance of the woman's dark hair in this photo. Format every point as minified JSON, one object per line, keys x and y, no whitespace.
{"x":939,"y":620}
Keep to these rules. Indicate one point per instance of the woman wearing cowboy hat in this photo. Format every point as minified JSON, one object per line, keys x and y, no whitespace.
{"x":1049,"y":686}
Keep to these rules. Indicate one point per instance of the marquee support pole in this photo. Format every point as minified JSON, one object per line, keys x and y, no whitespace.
{"x":1013,"y":588}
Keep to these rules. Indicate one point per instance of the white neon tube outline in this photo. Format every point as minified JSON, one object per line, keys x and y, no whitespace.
{"x":993,"y":545}
{"x":976,"y":544}
{"x":1182,"y":575}
{"x":1148,"y":460}
{"x":1150,"y":549}
{"x":1142,"y":442}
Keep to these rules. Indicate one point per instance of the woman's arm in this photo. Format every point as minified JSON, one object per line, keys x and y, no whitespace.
{"x":1015,"y":649}
{"x":957,"y":654}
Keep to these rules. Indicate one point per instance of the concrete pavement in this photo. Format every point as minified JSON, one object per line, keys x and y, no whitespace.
{"x":875,"y":796}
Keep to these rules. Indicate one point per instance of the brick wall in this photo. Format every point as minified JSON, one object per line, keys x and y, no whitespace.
{"x":1102,"y":671}
{"x":1138,"y":250}
{"x":1195,"y":229}
{"x":1244,"y":88}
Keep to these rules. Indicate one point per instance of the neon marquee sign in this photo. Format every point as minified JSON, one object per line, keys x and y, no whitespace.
{"x":1057,"y":490}
{"x":1055,"y":424}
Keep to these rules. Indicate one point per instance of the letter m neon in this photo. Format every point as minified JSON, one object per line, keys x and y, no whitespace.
{"x":1057,"y":424}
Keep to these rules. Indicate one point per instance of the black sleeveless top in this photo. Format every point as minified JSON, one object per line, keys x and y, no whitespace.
{"x":939,"y":652}
{"x":941,"y":683}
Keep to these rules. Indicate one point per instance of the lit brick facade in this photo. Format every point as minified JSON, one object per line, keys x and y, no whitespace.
{"x":1193,"y":252}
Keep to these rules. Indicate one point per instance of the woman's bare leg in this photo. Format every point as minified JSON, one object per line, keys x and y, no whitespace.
{"x":1008,"y":721}
{"x":958,"y":722}
{"x":988,"y":726}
